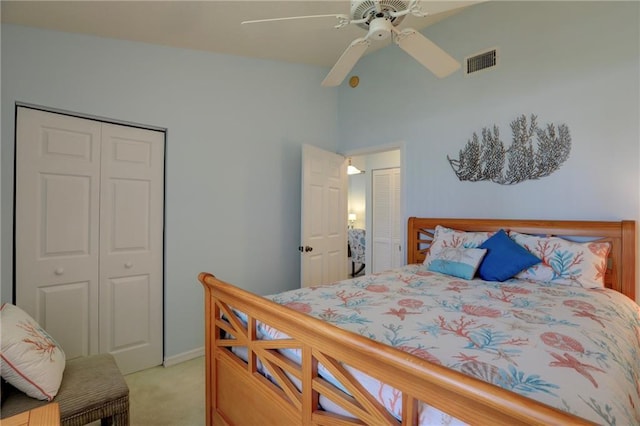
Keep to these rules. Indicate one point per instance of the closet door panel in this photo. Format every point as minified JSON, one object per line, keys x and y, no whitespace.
{"x":381,"y":240}
{"x":129,"y":216}
{"x":66,"y":200}
{"x":64,"y":309}
{"x":387,"y":227}
{"x":57,"y":226}
{"x":130,"y":325}
{"x":131,"y":246}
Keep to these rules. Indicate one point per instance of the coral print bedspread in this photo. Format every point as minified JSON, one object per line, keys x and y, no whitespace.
{"x":569,"y":347}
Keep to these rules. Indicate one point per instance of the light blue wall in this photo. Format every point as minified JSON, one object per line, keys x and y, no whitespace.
{"x":568,"y":62}
{"x":235,"y":129}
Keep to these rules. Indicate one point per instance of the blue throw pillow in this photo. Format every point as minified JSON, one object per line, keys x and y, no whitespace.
{"x":457,"y":261}
{"x":504,"y":258}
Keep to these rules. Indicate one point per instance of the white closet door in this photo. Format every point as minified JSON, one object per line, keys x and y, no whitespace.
{"x":386,"y":252}
{"x":57,"y":226}
{"x":89,"y":235}
{"x":131,"y":246}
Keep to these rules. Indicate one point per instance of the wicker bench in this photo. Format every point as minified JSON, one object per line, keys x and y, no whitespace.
{"x":92,"y":389}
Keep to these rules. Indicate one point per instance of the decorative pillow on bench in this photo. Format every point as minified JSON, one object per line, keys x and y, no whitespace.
{"x":31,"y":360}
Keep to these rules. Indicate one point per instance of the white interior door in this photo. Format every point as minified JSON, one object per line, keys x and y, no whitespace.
{"x":132,"y":195}
{"x":57,"y":226}
{"x":89,"y":235}
{"x":387,"y":226}
{"x":324,"y":217}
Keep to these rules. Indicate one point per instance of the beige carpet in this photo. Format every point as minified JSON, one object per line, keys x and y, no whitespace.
{"x":172,"y":396}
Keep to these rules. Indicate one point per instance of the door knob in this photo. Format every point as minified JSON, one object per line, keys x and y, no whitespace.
{"x":59,"y":271}
{"x":308,"y":249}
{"x":128,"y":265}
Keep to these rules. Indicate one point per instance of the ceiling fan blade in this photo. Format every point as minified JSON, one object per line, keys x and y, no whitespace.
{"x":426,"y":52}
{"x":289,"y":18}
{"x":347,"y":61}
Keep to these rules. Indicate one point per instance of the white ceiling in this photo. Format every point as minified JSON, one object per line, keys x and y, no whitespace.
{"x":215,"y":25}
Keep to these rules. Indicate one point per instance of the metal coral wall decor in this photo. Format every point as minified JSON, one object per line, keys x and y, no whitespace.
{"x":490,"y":160}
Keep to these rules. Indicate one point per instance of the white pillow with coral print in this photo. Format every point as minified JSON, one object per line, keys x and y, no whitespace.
{"x":447,"y":238}
{"x":565,"y":262}
{"x":30,"y":359}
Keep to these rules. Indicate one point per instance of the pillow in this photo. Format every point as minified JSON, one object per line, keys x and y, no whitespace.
{"x":565,"y":262}
{"x":31,"y":360}
{"x":444,"y":238}
{"x":459,"y":262}
{"x":504,"y":258}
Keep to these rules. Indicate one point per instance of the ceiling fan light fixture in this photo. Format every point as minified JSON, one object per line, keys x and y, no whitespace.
{"x":367,"y":10}
{"x":353,"y":170}
{"x":380,"y":29}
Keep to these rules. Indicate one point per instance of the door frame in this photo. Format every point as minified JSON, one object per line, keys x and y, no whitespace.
{"x":392,"y":146}
{"x":164,"y":130}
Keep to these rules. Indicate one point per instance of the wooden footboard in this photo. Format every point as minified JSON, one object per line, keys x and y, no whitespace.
{"x":238,"y":394}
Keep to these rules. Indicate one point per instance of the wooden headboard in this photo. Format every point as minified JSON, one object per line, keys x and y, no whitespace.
{"x":621,"y":271}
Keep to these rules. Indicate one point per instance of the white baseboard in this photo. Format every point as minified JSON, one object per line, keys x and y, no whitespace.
{"x":185,"y":356}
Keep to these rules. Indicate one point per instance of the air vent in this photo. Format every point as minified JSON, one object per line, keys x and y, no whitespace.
{"x":482,"y":61}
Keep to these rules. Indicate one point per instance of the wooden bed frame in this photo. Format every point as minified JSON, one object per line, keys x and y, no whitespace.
{"x":237,"y":394}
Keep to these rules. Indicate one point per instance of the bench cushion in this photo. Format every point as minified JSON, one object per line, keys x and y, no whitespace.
{"x":92,"y":388}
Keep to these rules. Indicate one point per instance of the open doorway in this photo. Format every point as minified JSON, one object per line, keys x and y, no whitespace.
{"x":375,"y":210}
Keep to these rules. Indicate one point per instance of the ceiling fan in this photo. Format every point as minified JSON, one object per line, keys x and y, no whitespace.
{"x":380,"y":18}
